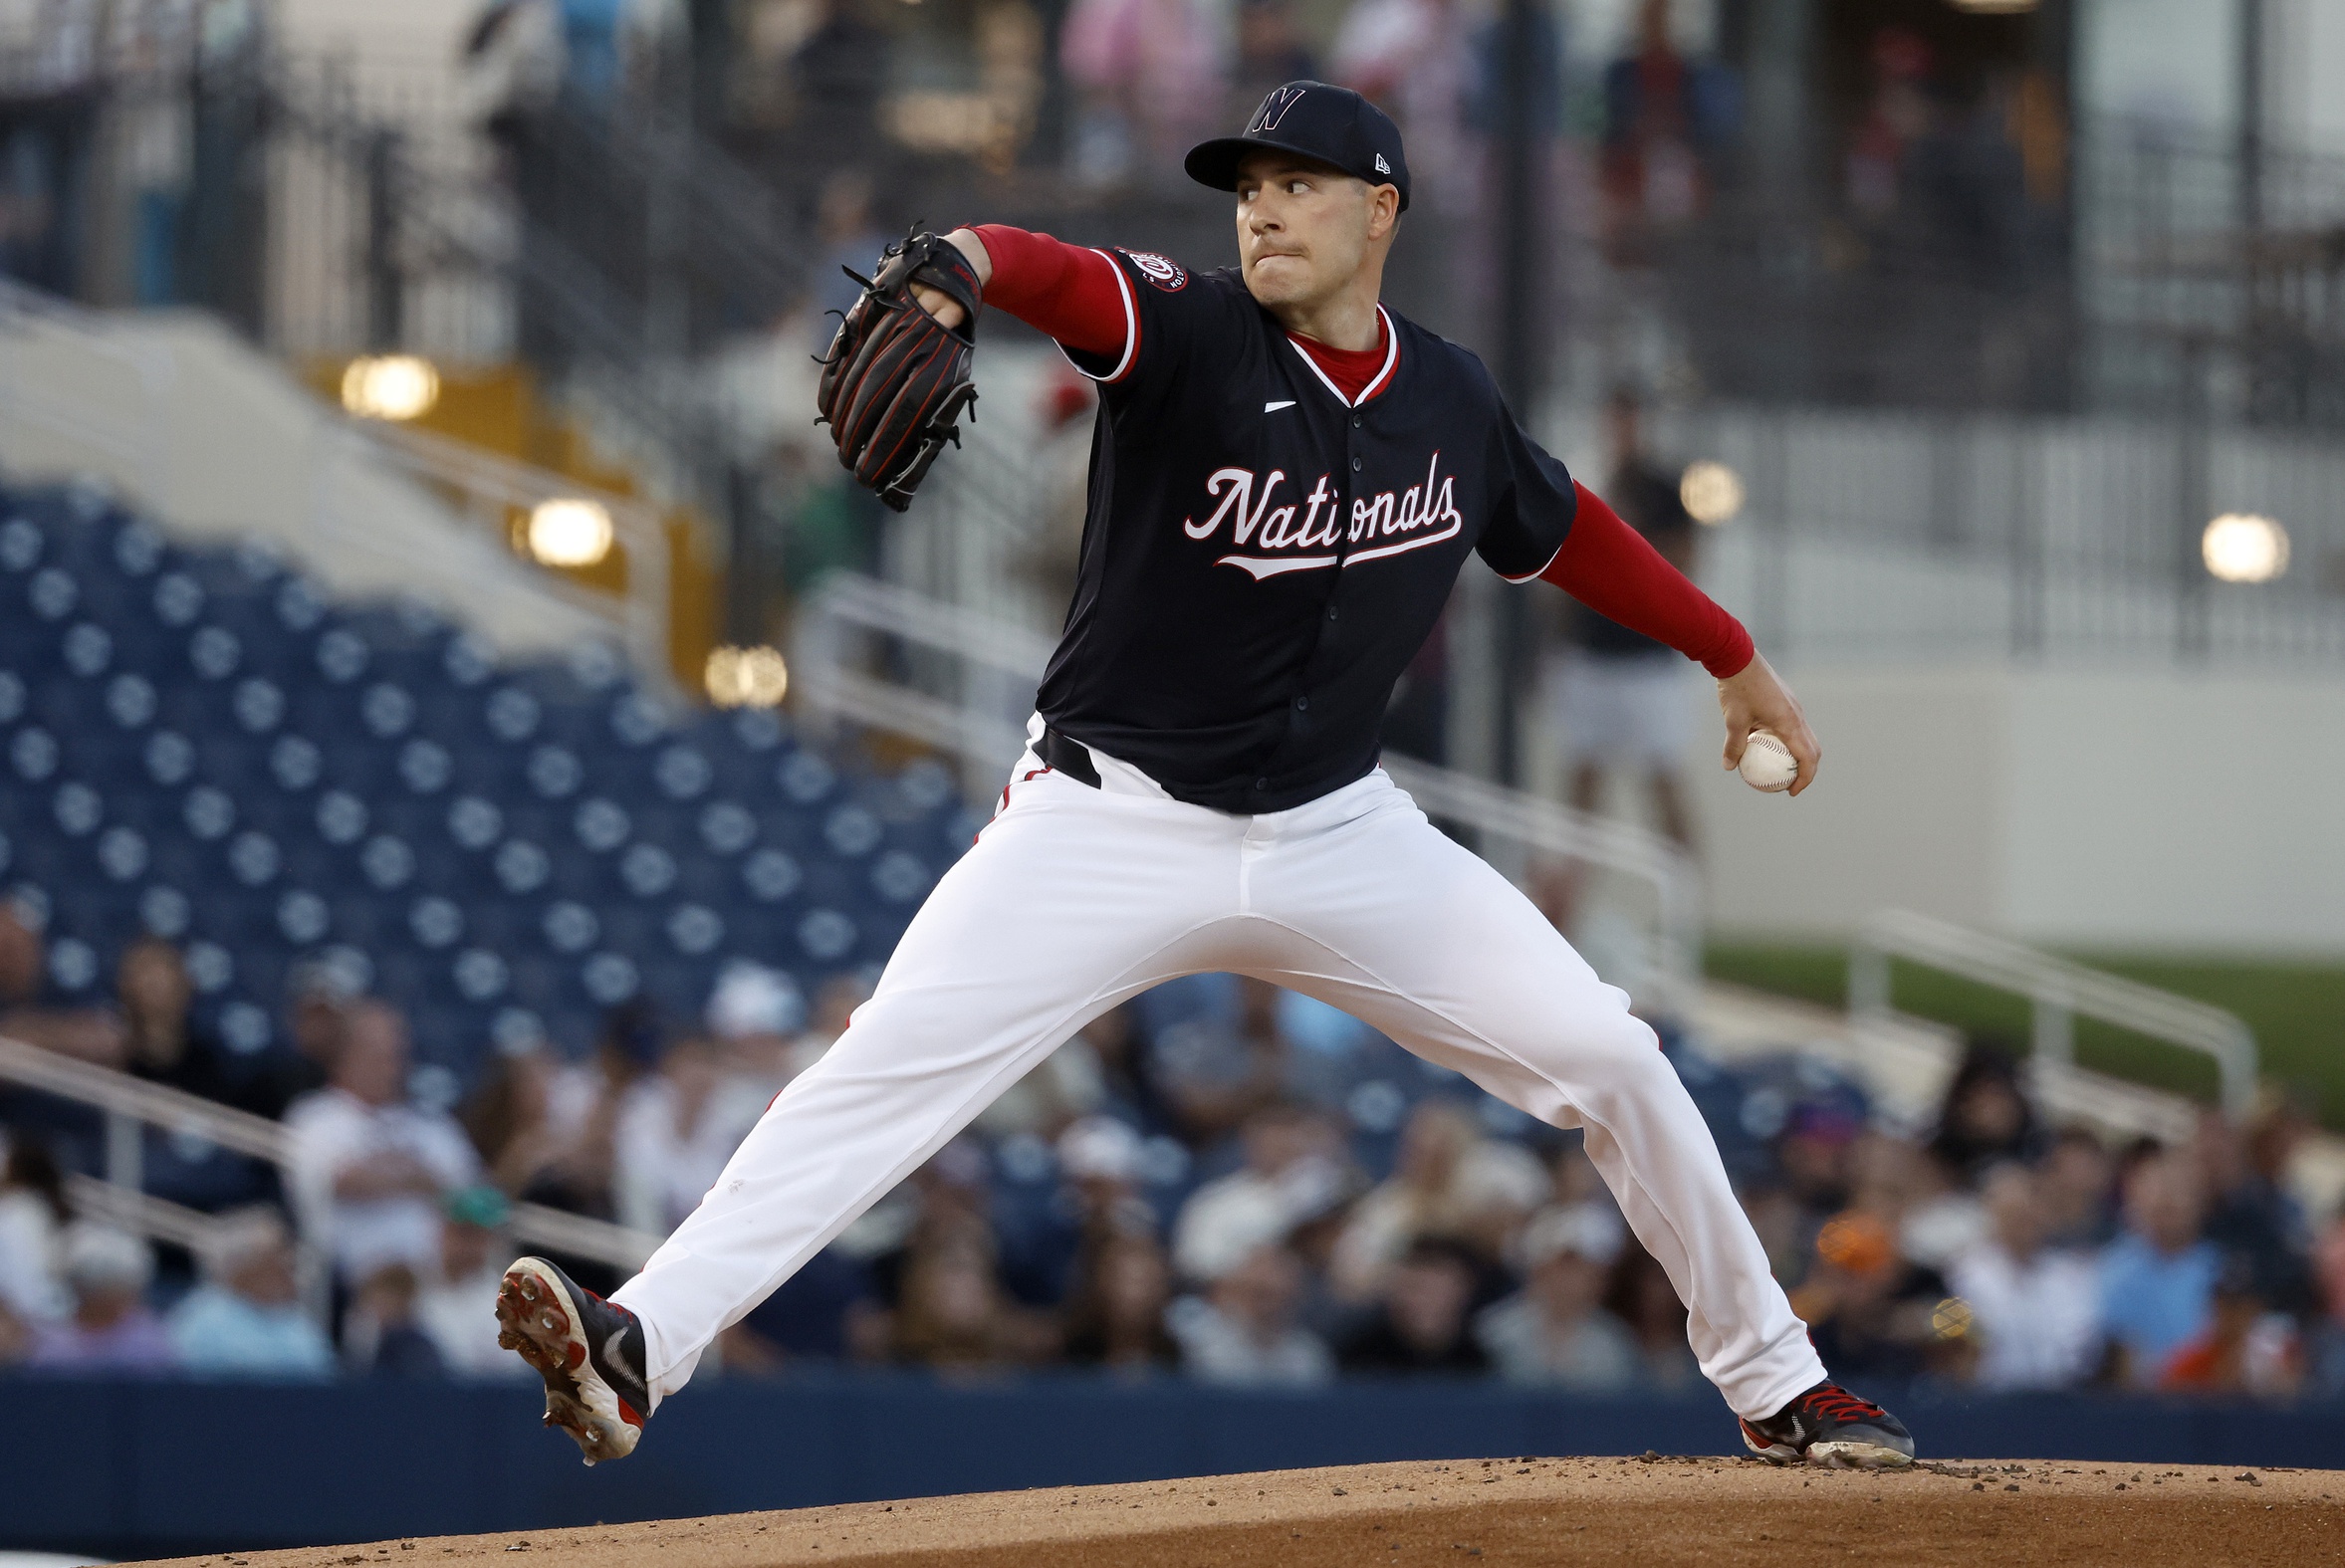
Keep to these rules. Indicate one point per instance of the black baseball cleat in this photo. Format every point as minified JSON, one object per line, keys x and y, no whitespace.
{"x":1831,"y":1426}
{"x":589,"y":1353}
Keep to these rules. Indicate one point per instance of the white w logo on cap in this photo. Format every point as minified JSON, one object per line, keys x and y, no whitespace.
{"x":1274,"y":109}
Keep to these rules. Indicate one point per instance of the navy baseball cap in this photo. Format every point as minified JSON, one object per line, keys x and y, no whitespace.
{"x":1333,"y":124}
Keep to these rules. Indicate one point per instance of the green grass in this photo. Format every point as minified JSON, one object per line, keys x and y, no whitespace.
{"x":2297,"y":1011}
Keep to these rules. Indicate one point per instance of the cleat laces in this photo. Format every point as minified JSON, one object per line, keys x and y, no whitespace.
{"x":1833,"y":1403}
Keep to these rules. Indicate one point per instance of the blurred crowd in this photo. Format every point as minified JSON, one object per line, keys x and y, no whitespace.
{"x":1219,"y":1181}
{"x":150,"y":103}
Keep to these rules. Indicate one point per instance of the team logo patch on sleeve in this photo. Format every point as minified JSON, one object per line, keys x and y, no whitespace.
{"x":1161,"y":271}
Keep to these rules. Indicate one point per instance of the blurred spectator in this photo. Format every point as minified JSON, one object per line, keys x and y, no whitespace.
{"x":1215,"y":1072}
{"x":2077,"y":1183}
{"x":816,"y":1315}
{"x":2247,"y":1348}
{"x":543,"y":1132}
{"x":2036,"y":1308}
{"x":1420,"y":1324}
{"x":1448,"y":1181}
{"x":1942,"y":1217}
{"x":1100,"y":1160}
{"x":835,"y":1012}
{"x":851,"y":238}
{"x":1151,"y":74}
{"x":1416,"y":60}
{"x":752,"y":1014}
{"x":1961,"y":201}
{"x":952,"y":1314}
{"x":2252,"y":1213}
{"x":2329,"y":1274}
{"x":163,"y":1046}
{"x":673,"y":1139}
{"x":1271,"y":53}
{"x":1785,"y":1230}
{"x":1555,"y":1332}
{"x":1116,"y":1313}
{"x":2157,"y":1277}
{"x":1292,"y":1172}
{"x":1663,"y":116}
{"x":836,"y":79}
{"x":1047,"y":1236}
{"x":1620,"y":699}
{"x":247,"y":1316}
{"x":1816,"y":1155}
{"x":1642,"y":1297}
{"x":1986,"y":1117}
{"x":91,"y":1034}
{"x":1870,"y":1312}
{"x":1065,"y":1085}
{"x":1898,"y":114}
{"x":370,"y":1167}
{"x":318,"y":1001}
{"x":1245,"y":1331}
{"x":457,"y":1307}
{"x":380,"y":1336}
{"x":33,"y":1218}
{"x":1127,"y":1069}
{"x":110,"y":1327}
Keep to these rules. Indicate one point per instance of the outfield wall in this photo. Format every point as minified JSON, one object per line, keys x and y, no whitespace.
{"x":127,"y":1469}
{"x":2164,"y":809}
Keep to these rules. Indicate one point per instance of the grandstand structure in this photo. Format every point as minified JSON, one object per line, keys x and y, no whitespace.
{"x":203,"y":747}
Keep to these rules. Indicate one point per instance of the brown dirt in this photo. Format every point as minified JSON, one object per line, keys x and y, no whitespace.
{"x":1654,"y":1512}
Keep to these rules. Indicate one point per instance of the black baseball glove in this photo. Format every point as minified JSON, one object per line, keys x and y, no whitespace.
{"x":895,"y":381}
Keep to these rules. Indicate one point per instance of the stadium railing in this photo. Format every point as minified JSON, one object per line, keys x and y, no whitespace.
{"x":993,"y":668}
{"x":2057,"y":993}
{"x":129,"y":1107}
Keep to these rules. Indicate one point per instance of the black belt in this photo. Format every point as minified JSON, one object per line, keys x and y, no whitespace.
{"x":1071,"y":758}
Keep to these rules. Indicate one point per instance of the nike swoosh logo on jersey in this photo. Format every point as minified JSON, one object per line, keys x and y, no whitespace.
{"x":1271,"y":408}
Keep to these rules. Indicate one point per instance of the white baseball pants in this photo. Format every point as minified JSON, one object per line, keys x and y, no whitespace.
{"x":1075,"y":899}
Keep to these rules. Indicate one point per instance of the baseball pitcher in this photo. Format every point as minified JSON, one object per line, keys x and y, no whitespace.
{"x":1286,"y":480}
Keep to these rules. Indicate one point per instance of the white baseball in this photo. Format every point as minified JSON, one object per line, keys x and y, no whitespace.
{"x":1767,"y":764}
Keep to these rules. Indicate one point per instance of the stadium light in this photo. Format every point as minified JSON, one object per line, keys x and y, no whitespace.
{"x":1711,"y":491}
{"x":394,"y":386}
{"x":747,"y":677}
{"x":2240,"y":547}
{"x":565,"y":531}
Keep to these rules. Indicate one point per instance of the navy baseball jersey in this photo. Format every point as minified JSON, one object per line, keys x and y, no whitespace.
{"x":1262,"y":556}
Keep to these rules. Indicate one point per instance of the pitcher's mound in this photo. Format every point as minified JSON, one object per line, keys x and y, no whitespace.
{"x":1647,"y":1512}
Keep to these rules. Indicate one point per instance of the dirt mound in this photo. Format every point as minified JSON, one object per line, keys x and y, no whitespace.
{"x":1651,"y":1511}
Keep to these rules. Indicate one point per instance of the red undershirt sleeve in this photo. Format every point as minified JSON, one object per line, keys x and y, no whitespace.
{"x":1615,"y":570}
{"x":1068,"y":293}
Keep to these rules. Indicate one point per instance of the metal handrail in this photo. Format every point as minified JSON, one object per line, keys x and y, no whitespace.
{"x":157,"y":1219}
{"x":129,"y":1105}
{"x":822,"y":679}
{"x":2057,"y":991}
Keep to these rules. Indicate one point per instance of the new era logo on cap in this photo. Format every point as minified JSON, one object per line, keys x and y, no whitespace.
{"x":1382,"y":168}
